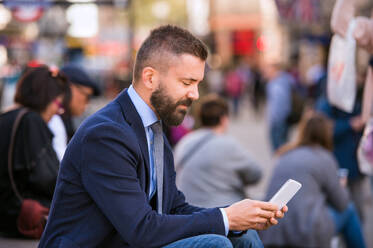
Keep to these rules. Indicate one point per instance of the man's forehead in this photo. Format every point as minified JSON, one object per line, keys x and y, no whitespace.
{"x":188,"y":67}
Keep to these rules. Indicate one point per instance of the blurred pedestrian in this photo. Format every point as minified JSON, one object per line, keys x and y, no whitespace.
{"x":212,"y":168}
{"x":234,"y":87}
{"x":321,"y":208}
{"x":40,"y":92}
{"x":257,"y":93}
{"x":215,"y":77}
{"x":83,"y":88}
{"x":279,"y":86}
{"x":347,"y":132}
{"x":9,"y":75}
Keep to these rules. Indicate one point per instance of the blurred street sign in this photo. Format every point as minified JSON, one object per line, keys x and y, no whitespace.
{"x":27,"y":10}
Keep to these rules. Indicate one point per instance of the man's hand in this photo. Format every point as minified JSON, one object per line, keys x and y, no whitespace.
{"x":250,"y":214}
{"x":273,"y":221}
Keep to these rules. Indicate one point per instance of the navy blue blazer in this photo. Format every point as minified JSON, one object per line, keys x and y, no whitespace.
{"x":101,"y":196}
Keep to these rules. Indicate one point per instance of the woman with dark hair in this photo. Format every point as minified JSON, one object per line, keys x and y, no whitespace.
{"x":34,"y":167}
{"x":322,"y":207}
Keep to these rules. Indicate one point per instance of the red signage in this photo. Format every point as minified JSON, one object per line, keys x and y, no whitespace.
{"x":244,"y":42}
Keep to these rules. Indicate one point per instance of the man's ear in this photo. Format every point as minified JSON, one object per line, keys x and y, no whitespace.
{"x":150,"y":77}
{"x":224,"y":122}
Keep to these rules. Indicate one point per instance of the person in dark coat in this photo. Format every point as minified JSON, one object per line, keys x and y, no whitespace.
{"x":35,"y":165}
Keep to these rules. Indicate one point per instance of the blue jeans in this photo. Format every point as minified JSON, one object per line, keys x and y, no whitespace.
{"x":278,"y":134}
{"x":348,"y":224}
{"x":248,"y":240}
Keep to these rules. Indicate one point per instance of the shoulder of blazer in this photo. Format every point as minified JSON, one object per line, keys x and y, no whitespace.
{"x":134,"y":120}
{"x":128,"y":109}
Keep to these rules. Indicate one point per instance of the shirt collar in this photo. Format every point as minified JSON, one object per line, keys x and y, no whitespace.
{"x":147,"y":115}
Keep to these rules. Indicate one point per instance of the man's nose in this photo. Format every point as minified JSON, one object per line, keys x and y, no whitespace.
{"x":193,"y":93}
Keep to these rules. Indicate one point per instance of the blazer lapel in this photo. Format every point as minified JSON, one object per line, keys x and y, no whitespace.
{"x":134,"y":120}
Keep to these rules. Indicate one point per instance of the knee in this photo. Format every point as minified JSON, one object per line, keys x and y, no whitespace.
{"x":218,"y":241}
{"x":250,"y":239}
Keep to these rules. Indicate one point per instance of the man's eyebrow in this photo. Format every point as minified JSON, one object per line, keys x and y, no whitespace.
{"x":189,"y":79}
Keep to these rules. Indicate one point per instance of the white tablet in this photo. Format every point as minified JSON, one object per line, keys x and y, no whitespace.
{"x":285,"y":193}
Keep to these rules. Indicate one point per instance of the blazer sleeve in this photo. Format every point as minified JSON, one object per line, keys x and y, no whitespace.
{"x":110,"y":156}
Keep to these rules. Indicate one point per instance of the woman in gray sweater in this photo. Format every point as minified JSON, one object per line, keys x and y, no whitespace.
{"x":321,"y":208}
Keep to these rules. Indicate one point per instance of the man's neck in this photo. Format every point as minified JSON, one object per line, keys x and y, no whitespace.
{"x":144,"y":96}
{"x":220,"y":129}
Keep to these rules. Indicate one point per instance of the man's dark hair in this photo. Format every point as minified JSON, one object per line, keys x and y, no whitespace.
{"x":39,"y":86}
{"x":167,"y":39}
{"x":212,"y":109}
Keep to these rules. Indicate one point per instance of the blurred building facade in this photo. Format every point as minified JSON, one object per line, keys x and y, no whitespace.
{"x":247,"y":28}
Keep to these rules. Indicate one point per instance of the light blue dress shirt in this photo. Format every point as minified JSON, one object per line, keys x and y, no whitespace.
{"x":148,"y":117}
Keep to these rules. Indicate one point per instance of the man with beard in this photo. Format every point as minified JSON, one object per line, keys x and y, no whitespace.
{"x":116,"y":184}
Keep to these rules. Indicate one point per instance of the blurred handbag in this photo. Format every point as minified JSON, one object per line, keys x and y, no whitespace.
{"x":341,"y":85}
{"x":32,"y":217}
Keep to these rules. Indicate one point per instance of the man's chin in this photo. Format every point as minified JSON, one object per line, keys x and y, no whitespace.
{"x":177,"y":119}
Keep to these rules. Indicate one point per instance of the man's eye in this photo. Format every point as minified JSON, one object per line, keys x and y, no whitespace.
{"x":186,"y":83}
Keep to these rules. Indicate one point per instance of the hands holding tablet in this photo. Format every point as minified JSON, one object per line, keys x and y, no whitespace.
{"x":251,"y":214}
{"x":259,"y":215}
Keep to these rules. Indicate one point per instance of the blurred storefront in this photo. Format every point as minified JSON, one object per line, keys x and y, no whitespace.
{"x":247,"y":29}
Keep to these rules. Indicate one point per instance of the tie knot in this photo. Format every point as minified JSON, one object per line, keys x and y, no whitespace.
{"x":156,"y":127}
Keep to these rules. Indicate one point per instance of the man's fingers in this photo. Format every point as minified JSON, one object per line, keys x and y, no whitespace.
{"x":266,"y":214}
{"x":284,"y":209}
{"x":279,"y":214}
{"x":267,"y":206}
{"x":273,"y":221}
{"x":261,"y":220}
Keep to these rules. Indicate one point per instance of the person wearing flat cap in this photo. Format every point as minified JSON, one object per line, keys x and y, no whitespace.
{"x":83,"y":88}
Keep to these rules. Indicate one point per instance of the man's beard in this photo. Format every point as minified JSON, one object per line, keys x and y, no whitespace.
{"x":167,"y":109}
